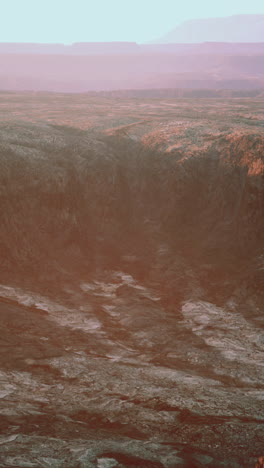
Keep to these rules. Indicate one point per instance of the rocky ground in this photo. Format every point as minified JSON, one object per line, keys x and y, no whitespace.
{"x":131,"y":283}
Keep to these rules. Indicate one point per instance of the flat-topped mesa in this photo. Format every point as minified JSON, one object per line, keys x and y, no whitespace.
{"x":119,"y":47}
{"x":32,"y":48}
{"x":102,"y":48}
{"x":77,"y":48}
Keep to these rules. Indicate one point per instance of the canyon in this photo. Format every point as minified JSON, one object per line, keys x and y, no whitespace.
{"x":131,"y":281}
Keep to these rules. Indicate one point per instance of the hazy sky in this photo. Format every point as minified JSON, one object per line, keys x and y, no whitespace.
{"x":68,"y":21}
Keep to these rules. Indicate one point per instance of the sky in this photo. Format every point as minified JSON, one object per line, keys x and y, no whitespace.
{"x":68,"y":21}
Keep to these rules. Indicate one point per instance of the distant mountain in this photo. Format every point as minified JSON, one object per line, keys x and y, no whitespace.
{"x":238,"y":28}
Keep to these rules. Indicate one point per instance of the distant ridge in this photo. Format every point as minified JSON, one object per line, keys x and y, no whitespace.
{"x":78,"y":48}
{"x":149,"y":70}
{"x":237,"y":28}
{"x":100,"y":66}
{"x":128,"y":48}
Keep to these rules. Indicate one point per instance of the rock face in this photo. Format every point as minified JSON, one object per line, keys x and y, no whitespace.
{"x":131,"y":284}
{"x":205,"y":201}
{"x":237,"y":28}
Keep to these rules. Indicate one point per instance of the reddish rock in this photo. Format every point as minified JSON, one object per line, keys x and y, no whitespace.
{"x":260,"y":463}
